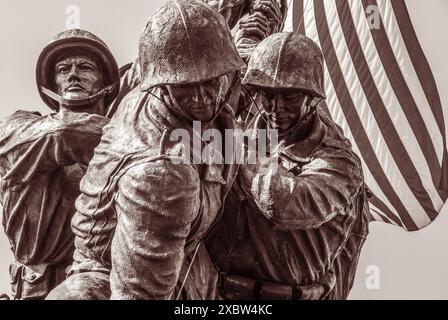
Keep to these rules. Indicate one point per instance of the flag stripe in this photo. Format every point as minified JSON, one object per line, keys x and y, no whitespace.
{"x":398,"y":53}
{"x":382,"y":208}
{"x":396,"y":41}
{"x":386,"y":125}
{"x":374,"y":216}
{"x":351,"y":78}
{"x":352,"y":117}
{"x":427,"y":82}
{"x":379,"y":214}
{"x":378,"y":195}
{"x":419,"y":61}
{"x":406,"y":101}
{"x":298,"y":21}
{"x":422,"y":81}
{"x":381,"y":100}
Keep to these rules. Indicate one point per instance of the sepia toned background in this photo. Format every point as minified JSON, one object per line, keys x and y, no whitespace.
{"x":410,"y":265}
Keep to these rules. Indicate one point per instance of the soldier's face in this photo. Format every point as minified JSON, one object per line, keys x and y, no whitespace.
{"x":283,"y":108}
{"x":78,"y":76}
{"x":199,"y":100}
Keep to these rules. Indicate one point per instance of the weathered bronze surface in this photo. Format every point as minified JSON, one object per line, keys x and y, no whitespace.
{"x":43,"y":158}
{"x":296,"y":232}
{"x":145,"y":226}
{"x":140,"y":215}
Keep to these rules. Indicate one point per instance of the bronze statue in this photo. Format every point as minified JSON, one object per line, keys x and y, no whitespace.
{"x":144,"y":211}
{"x":43,"y":158}
{"x":140,"y":216}
{"x":251,"y":20}
{"x":295,"y":232}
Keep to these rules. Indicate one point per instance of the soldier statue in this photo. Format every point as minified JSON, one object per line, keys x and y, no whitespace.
{"x":43,"y":158}
{"x":295,"y":232}
{"x":141,"y":216}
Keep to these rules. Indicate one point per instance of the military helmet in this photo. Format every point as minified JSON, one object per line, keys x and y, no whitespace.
{"x":76,"y":40}
{"x":287,"y":60}
{"x":186,"y":41}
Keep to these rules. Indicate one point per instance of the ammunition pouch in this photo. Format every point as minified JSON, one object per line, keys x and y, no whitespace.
{"x":35,"y":282}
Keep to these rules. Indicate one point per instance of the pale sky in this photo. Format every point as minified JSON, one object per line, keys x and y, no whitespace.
{"x":412,"y":265}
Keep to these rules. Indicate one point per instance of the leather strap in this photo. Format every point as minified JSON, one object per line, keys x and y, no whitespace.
{"x":80,"y":102}
{"x":241,"y":288}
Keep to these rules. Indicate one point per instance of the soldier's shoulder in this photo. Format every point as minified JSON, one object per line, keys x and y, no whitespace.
{"x":337,"y":148}
{"x":19,"y":121}
{"x":130,"y":100}
{"x":27,"y":113}
{"x":22,"y":115}
{"x":335,"y":134}
{"x":68,"y":121}
{"x":160,"y":174}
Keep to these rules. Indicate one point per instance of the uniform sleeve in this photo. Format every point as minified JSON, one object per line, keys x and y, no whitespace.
{"x":31,"y":144}
{"x":156,"y":204}
{"x":234,"y":10}
{"x":325,"y":188}
{"x":231,"y":10}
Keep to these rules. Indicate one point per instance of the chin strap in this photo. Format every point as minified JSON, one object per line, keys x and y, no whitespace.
{"x":260,"y":112}
{"x":80,"y":102}
{"x":223,"y":101}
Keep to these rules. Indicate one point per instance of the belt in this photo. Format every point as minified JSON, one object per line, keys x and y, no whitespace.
{"x":241,"y":288}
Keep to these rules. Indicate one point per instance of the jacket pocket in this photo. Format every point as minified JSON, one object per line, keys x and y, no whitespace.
{"x":28,"y":284}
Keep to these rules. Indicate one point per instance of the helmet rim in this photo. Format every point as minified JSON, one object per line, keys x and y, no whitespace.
{"x":297,"y":66}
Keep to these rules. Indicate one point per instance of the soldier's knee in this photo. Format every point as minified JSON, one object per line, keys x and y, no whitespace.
{"x":83,"y":286}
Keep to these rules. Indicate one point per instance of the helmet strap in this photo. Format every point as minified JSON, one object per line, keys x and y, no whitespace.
{"x":80,"y":102}
{"x":223,"y":100}
{"x":304,"y":120}
{"x":261,"y":112}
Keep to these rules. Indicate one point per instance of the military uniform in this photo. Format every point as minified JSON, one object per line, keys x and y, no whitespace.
{"x":296,"y":232}
{"x":42,"y":162}
{"x":141,"y":216}
{"x":290,"y":227}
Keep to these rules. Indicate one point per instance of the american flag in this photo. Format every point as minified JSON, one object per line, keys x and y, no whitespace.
{"x":382,"y":92}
